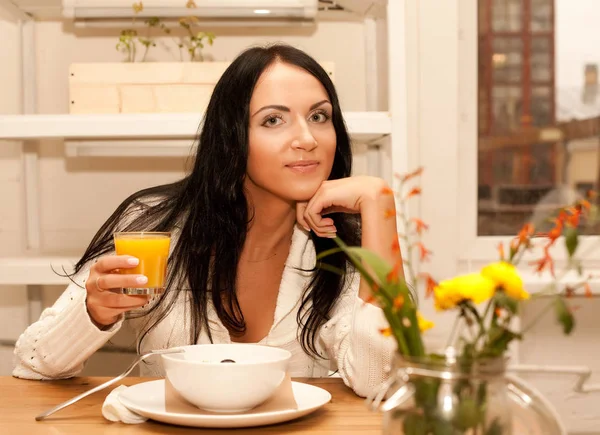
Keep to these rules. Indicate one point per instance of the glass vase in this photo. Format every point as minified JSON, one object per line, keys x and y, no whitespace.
{"x":446,"y":396}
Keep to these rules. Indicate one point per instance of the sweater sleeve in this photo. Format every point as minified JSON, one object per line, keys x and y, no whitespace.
{"x":59,"y":343}
{"x":354,"y":343}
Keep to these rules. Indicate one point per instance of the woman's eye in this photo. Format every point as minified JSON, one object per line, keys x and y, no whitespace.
{"x":272,"y":121}
{"x":319,"y":117}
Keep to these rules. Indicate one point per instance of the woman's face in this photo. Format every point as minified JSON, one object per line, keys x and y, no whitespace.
{"x":291,"y":137}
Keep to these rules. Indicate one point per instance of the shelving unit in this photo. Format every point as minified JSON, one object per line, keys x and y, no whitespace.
{"x":146,"y":135}
{"x":172,"y":135}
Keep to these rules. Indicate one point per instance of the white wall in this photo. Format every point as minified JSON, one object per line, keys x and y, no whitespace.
{"x":78,"y":194}
{"x":12,"y":301}
{"x":577,"y":39}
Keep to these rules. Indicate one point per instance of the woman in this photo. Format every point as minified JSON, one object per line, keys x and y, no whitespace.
{"x":270,"y":186}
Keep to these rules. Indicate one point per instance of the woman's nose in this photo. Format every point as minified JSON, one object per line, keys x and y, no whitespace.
{"x":304,"y":139}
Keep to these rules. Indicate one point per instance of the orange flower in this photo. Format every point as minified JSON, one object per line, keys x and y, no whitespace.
{"x":404,"y":178}
{"x":420,"y":226}
{"x":389,"y":213}
{"x":586,"y":204}
{"x":588,"y":290}
{"x":413,"y":192}
{"x":572,"y":219}
{"x":387,"y":191}
{"x":424,"y":253}
{"x":514,"y":247}
{"x":395,"y":273}
{"x":395,"y":247}
{"x":557,"y":230}
{"x":544,"y":262}
{"x":398,"y":302}
{"x":430,"y":284}
{"x":525,"y":234}
{"x":375,"y":287}
{"x":386,"y":332}
{"x":501,"y":251}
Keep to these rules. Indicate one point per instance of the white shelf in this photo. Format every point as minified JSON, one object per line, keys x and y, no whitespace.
{"x":34,"y":270}
{"x":152,"y":125}
{"x":154,"y":134}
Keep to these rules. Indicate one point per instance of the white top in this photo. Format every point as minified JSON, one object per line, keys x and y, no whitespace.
{"x":59,"y":343}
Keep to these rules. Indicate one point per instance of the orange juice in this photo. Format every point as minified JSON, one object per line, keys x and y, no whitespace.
{"x":152,"y":249}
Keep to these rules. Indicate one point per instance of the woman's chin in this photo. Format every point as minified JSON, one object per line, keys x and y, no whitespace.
{"x":303,"y":195}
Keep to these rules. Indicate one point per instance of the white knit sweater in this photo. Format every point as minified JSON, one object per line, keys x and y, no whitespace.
{"x":59,"y":343}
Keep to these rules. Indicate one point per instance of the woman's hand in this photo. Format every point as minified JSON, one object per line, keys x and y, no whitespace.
{"x":103,"y":305}
{"x":346,"y":195}
{"x":369,"y":196}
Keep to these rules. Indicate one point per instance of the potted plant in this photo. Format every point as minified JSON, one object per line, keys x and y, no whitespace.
{"x":463,"y":389}
{"x":139,"y":86}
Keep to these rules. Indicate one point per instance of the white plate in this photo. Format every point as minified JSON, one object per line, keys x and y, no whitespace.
{"x":148,"y":400}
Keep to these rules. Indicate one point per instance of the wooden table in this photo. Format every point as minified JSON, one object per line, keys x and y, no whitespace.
{"x":22,"y":400}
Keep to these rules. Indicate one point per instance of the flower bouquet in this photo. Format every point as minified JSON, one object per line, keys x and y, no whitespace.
{"x":463,"y":389}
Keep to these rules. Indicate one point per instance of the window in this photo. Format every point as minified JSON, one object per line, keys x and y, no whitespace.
{"x":523,"y":175}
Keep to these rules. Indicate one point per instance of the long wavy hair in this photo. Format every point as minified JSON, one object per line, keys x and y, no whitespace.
{"x":209,"y":211}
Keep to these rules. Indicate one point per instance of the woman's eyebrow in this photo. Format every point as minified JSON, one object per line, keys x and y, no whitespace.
{"x":287,"y":109}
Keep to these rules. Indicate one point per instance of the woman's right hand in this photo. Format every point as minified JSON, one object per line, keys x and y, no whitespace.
{"x":105,"y":306}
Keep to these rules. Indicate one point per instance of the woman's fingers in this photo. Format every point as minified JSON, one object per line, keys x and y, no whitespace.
{"x":322,"y":226}
{"x":112,"y":262}
{"x":115,"y":280}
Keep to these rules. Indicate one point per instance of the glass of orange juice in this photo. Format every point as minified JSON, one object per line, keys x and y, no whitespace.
{"x":152,"y":249}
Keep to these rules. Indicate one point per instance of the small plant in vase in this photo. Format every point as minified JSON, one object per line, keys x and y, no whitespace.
{"x":193,"y":41}
{"x":463,"y":391}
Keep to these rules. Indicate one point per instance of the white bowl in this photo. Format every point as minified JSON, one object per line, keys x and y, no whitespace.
{"x":202,"y":379}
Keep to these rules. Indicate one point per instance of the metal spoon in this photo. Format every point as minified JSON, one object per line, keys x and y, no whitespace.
{"x":108,"y":383}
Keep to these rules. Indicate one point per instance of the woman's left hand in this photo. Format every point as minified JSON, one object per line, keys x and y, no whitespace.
{"x":346,"y":195}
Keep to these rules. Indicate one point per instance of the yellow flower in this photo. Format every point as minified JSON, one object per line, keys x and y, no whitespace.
{"x":506,"y":277}
{"x":473,"y":287}
{"x":424,"y":324}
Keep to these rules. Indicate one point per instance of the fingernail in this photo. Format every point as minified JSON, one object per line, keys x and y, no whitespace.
{"x":307,"y":229}
{"x":133,"y":261}
{"x":141,"y":280}
{"x":331,"y":235}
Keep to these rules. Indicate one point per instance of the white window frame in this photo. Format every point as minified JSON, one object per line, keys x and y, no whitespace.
{"x":482,"y":248}
{"x":442,"y":133}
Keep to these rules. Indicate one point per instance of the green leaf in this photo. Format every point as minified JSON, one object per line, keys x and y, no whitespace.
{"x":499,"y":338}
{"x":381,"y":267}
{"x":564,"y":315}
{"x":442,"y":427}
{"x":414,"y":424}
{"x":467,"y":414}
{"x":571,"y":240}
{"x":502,"y":300}
{"x":330,"y":268}
{"x":577,"y":265}
{"x":328,"y":252}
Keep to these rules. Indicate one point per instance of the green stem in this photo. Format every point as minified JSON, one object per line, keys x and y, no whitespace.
{"x":457,"y":320}
{"x":409,"y":244}
{"x":482,"y":322}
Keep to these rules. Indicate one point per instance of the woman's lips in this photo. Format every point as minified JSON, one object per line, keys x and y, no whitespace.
{"x":303,"y":166}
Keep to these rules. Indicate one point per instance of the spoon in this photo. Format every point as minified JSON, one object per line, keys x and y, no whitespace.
{"x":108,"y":383}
